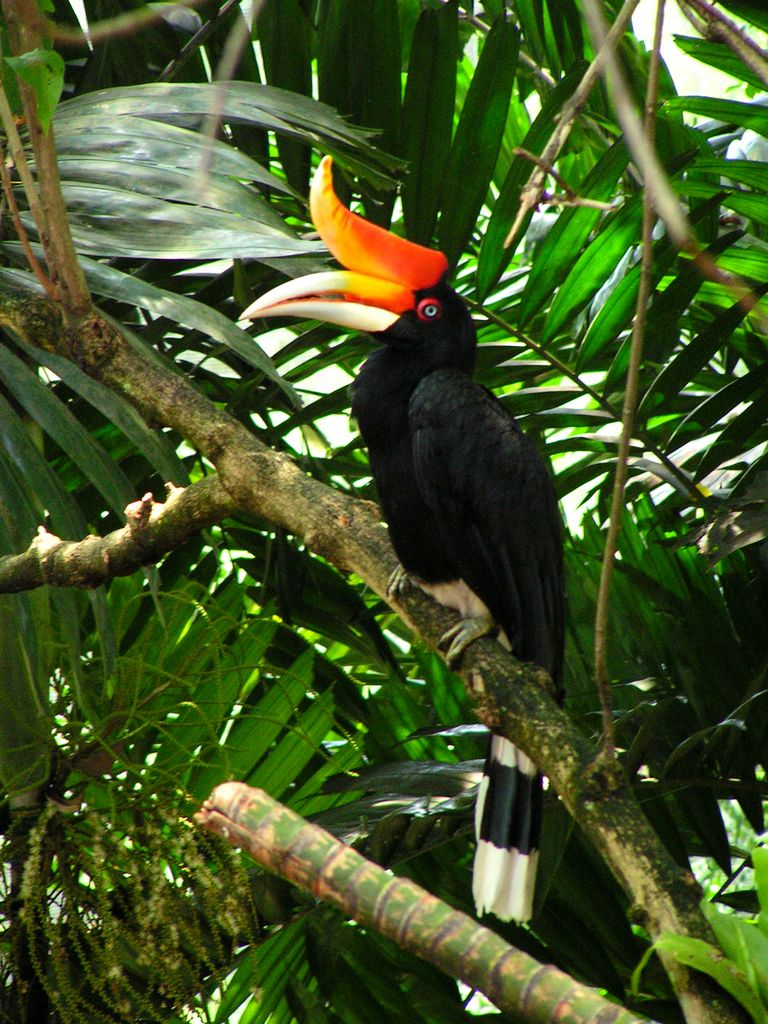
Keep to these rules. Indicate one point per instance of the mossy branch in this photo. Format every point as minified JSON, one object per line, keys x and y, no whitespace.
{"x":323,"y":866}
{"x":152,"y":530}
{"x":509,"y":696}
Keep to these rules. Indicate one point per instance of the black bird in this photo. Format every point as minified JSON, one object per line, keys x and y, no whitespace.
{"x":470,"y":507}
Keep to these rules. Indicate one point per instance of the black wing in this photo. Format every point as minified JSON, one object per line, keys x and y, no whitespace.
{"x":495,"y":509}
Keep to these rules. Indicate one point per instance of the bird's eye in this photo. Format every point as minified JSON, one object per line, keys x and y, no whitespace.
{"x":429,"y":309}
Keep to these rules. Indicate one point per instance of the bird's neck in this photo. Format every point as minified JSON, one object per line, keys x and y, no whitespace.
{"x":381,"y":394}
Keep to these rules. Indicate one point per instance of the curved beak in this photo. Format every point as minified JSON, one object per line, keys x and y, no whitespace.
{"x":383,"y":271}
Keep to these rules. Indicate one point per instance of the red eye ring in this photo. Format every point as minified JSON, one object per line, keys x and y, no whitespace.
{"x":429,"y":309}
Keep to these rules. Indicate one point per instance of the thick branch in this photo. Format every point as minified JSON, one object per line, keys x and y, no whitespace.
{"x":152,"y":530}
{"x":313,"y":859}
{"x":509,"y":696}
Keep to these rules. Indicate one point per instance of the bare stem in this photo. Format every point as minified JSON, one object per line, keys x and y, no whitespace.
{"x":530,"y":194}
{"x":28,"y":32}
{"x":628,"y":411}
{"x":21,"y":231}
{"x":19,"y":157}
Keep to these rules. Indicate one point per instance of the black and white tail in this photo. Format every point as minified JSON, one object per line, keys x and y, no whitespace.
{"x":507,"y":826}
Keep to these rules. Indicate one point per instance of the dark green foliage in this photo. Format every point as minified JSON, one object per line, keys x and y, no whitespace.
{"x":243,"y":655}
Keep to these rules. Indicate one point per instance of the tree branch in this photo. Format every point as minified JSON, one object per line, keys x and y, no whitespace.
{"x":326,"y":868}
{"x":628,"y":410}
{"x":28,"y":31}
{"x":508,"y":696}
{"x":531,"y":192}
{"x":152,"y":530}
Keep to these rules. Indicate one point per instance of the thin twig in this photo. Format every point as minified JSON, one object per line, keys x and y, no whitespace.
{"x":523,"y":57}
{"x":236,"y":42}
{"x":121,"y":25}
{"x":570,"y":196}
{"x":28,"y":32}
{"x":602,"y":402}
{"x":713,"y":24}
{"x":530,"y":194}
{"x":21,"y":231}
{"x":197,"y":40}
{"x":628,"y":411}
{"x":16,"y":149}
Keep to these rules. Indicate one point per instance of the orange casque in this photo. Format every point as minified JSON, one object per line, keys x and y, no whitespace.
{"x":366,"y":248}
{"x":382,"y":271}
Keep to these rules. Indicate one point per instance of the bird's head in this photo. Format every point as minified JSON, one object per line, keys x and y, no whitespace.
{"x":390,"y":287}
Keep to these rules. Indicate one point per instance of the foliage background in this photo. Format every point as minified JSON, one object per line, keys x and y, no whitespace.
{"x":244,"y":655}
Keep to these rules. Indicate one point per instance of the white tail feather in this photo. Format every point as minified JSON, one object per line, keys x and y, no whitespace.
{"x":503,"y":879}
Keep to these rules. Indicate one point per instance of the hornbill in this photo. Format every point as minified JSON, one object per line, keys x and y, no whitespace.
{"x":470,"y":507}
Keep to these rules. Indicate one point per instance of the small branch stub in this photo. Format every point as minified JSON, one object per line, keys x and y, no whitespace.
{"x":152,"y":530}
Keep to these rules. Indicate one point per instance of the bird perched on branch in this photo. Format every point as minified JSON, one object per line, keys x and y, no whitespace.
{"x":468,"y":501}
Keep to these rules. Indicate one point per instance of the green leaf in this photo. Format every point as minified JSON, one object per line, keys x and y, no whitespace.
{"x":428,"y":118}
{"x":241,"y":103}
{"x":760,"y":864}
{"x":744,"y":943}
{"x":682,"y":368}
{"x":747,"y":204}
{"x":284,"y":27}
{"x":55,"y":418}
{"x":752,"y":11}
{"x":110,"y":221}
{"x":735,"y":436}
{"x":358,"y":74}
{"x":593,"y":269}
{"x":110,"y":281}
{"x":619,"y":308}
{"x":478,"y":138}
{"x":493,"y":256}
{"x":359,"y":65}
{"x":43,"y":70}
{"x":703,"y":956}
{"x":746,"y":115}
{"x":720,"y":56}
{"x":721,"y":403}
{"x":25,"y":725}
{"x":154,"y":445}
{"x":66,"y":519}
{"x":137,"y":140}
{"x":554,"y":260}
{"x":745,"y":172}
{"x":667,"y":307}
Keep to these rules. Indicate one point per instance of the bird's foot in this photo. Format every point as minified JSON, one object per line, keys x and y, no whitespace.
{"x":398,"y":582}
{"x":458,"y":638}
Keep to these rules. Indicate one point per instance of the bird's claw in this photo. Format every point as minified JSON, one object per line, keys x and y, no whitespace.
{"x":458,"y":638}
{"x":397,"y":582}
